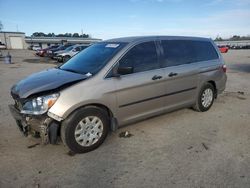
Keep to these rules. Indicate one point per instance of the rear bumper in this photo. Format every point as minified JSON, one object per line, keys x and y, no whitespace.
{"x":221,"y":84}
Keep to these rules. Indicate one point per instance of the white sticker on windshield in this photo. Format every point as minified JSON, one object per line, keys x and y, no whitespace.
{"x":88,"y":74}
{"x":112,"y":45}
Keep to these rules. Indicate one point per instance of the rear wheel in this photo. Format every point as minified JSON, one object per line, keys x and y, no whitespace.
{"x":205,"y":98}
{"x":85,"y":130}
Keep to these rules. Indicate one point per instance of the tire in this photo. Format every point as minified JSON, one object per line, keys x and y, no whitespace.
{"x":66,"y":58}
{"x":84,"y":142}
{"x":200,"y":105}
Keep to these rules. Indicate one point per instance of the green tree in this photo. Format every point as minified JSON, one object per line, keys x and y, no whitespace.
{"x":75,"y":35}
{"x":235,"y":37}
{"x":218,"y":38}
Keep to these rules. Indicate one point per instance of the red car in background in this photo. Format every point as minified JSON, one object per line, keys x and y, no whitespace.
{"x":223,"y":49}
{"x":43,"y":52}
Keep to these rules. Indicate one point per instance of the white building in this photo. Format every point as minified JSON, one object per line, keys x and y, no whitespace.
{"x":13,"y":40}
{"x":18,"y":40}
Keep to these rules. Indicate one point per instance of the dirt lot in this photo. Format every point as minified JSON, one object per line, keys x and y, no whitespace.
{"x":179,"y":149}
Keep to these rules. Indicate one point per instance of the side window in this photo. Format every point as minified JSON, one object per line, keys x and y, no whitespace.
{"x":177,"y":52}
{"x":142,"y":57}
{"x":205,"y":51}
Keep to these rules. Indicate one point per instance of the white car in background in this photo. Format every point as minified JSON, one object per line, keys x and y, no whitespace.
{"x":69,"y":52}
{"x":36,"y":47}
{"x":2,"y":45}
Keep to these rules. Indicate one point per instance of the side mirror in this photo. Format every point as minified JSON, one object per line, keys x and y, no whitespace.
{"x":125,"y":70}
{"x":74,"y":50}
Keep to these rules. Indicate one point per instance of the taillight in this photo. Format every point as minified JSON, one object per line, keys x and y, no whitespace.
{"x":224,"y":68}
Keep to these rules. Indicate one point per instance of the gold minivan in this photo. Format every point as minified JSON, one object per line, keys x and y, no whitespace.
{"x":117,"y":82}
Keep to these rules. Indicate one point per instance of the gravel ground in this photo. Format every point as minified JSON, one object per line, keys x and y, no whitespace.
{"x":179,"y":149}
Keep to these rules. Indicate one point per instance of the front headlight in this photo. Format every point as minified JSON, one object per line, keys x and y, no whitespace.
{"x":39,"y":105}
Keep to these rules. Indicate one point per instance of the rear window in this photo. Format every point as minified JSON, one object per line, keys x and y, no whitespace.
{"x":178,"y":52}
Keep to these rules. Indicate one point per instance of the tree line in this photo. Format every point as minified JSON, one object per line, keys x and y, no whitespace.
{"x":234,"y":37}
{"x":77,"y":35}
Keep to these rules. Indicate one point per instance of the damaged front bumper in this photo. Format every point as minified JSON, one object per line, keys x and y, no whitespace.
{"x":42,"y":125}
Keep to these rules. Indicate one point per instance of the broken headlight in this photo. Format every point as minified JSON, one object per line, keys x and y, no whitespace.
{"x":39,"y":105}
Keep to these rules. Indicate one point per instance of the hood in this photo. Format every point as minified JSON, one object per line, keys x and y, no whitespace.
{"x":43,"y":81}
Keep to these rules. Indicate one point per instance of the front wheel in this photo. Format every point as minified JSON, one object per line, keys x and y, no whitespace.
{"x":205,"y":98}
{"x":85,"y":130}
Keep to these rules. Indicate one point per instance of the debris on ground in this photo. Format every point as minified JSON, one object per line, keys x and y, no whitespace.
{"x":241,"y":98}
{"x":71,"y":153}
{"x":125,"y":134}
{"x":190,"y":147}
{"x":33,"y":145}
{"x":205,"y":146}
{"x":241,"y":92}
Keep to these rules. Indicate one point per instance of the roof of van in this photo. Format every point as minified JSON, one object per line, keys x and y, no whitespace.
{"x":139,"y":38}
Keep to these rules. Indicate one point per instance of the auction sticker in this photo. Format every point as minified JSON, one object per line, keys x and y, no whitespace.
{"x":112,"y":45}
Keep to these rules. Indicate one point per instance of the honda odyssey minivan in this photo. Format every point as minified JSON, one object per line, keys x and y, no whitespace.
{"x":117,"y":82}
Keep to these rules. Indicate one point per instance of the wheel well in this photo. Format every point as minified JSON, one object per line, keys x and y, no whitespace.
{"x":214,"y":84}
{"x":113,"y":124}
{"x":109,"y":112}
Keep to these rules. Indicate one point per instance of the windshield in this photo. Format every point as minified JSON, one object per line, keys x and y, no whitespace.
{"x":69,"y":48}
{"x":93,"y":58}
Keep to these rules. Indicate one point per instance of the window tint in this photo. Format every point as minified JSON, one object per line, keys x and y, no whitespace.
{"x":178,"y":52}
{"x":205,"y":51}
{"x":142,"y":57}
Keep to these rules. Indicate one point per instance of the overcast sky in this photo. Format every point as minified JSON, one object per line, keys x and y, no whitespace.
{"x":116,"y":18}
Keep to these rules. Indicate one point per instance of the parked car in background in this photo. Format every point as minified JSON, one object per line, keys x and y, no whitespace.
{"x":69,"y":52}
{"x":51,"y":52}
{"x":223,"y":49}
{"x":2,"y":46}
{"x":61,"y":51}
{"x":117,"y":82}
{"x":246,"y":47}
{"x":36,"y":47}
{"x":43,"y":52}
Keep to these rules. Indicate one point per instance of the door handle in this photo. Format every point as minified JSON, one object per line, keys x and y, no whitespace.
{"x":156,"y":77}
{"x":171,"y":74}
